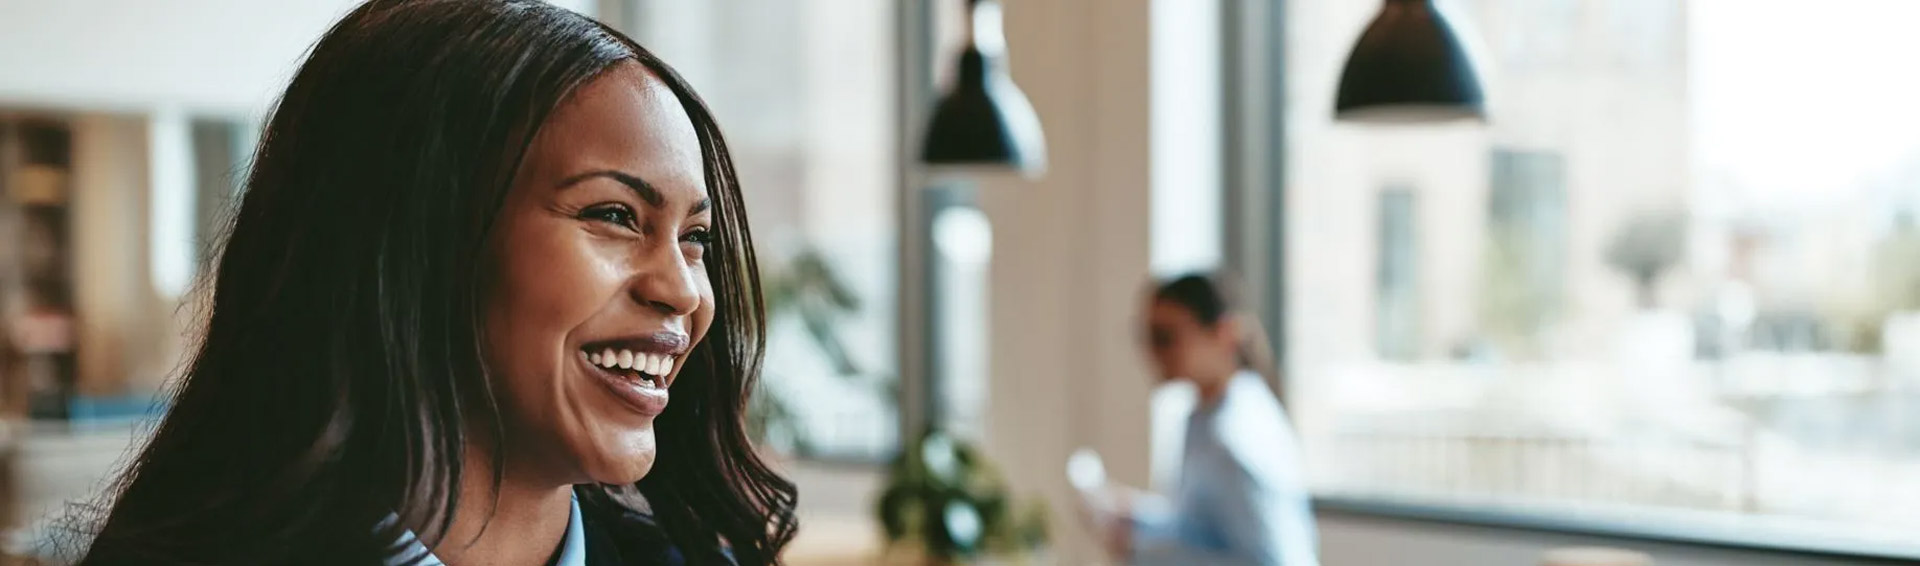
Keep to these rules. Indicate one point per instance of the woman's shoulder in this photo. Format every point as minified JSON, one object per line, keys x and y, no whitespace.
{"x":1257,"y":431}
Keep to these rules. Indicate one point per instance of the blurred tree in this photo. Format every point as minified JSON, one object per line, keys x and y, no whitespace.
{"x":806,"y":288}
{"x":1645,"y":247}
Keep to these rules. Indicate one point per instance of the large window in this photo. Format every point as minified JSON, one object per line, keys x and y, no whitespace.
{"x":1673,"y":282}
{"x":805,"y":93}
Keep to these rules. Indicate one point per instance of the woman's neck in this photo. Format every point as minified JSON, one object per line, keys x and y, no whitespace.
{"x":520,"y":524}
{"x":1214,"y":387}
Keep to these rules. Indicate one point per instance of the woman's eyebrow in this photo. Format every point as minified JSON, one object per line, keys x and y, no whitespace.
{"x":640,"y":186}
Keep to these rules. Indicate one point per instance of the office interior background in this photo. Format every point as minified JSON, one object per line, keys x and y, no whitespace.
{"x":1664,"y":297}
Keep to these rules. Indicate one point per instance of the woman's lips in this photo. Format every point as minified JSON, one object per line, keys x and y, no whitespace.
{"x":645,"y":396}
{"x":653,"y":356}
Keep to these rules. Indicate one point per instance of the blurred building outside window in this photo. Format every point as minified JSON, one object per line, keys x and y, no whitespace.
{"x":1674,"y":278}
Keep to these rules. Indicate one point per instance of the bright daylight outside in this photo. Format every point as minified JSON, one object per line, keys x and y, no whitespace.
{"x":1674,"y":281}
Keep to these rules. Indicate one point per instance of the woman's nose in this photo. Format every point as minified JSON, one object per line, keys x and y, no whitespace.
{"x":667,"y":284}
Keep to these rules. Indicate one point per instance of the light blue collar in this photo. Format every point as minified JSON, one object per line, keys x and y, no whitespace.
{"x":573,"y":545}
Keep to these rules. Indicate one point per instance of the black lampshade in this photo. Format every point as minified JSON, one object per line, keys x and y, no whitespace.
{"x":1409,"y":67}
{"x":985,"y":120}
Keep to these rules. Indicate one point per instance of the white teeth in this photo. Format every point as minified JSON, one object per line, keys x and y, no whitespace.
{"x":656,"y":365}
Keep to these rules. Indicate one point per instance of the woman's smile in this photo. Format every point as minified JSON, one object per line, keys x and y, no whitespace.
{"x":637,"y":370}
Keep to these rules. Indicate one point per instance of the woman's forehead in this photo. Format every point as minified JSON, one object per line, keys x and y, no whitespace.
{"x":1162,"y":310}
{"x":626,"y":119}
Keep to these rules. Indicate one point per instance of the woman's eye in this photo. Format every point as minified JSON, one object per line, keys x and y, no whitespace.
{"x":701,"y":237}
{"x":612,"y":214}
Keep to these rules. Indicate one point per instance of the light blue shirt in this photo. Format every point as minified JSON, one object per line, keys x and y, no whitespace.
{"x":1242,"y":498}
{"x":573,"y":545}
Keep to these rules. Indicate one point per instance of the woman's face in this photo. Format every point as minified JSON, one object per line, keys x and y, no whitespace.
{"x":1182,"y":347}
{"x":599,"y":287}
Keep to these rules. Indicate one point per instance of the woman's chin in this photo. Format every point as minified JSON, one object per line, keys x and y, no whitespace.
{"x":626,"y":474}
{"x":624,"y":460}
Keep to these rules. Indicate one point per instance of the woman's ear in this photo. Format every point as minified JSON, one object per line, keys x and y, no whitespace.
{"x":1230,"y":329}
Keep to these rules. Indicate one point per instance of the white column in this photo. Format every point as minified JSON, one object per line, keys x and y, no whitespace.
{"x":588,"y":8}
{"x":1071,"y":251}
{"x":170,"y":241}
{"x":1187,"y":135}
{"x":683,"y":33}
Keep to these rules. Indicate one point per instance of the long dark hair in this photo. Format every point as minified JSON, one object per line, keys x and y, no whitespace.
{"x":340,"y":365}
{"x":1211,"y":299}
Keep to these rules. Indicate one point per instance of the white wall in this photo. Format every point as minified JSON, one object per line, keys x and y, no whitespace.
{"x":205,"y":56}
{"x":227,"y":56}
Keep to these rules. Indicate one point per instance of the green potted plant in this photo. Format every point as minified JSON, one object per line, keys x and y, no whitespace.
{"x":945,"y":504}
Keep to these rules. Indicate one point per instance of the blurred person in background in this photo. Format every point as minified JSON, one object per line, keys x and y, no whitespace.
{"x":480,"y":243}
{"x":1242,"y":497}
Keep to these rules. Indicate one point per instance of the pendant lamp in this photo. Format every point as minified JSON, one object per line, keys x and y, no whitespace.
{"x":985,"y":120}
{"x":1409,"y":67}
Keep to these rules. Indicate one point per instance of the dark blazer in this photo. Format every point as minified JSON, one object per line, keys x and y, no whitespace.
{"x":617,"y":536}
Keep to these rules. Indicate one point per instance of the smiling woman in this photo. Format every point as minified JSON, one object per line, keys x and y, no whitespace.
{"x":483,"y":244}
